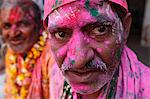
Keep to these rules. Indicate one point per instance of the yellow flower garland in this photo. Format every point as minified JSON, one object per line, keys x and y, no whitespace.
{"x":20,"y":77}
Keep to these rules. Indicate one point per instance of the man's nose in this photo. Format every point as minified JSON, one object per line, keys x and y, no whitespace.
{"x":13,"y":31}
{"x":79,"y":52}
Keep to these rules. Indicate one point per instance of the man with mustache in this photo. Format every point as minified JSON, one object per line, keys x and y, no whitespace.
{"x":26,"y":67}
{"x":88,"y":41}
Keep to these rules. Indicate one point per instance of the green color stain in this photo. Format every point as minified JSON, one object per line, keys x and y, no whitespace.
{"x":53,"y":6}
{"x":139,"y":57}
{"x":72,"y":61}
{"x":57,"y":3}
{"x":60,"y":2}
{"x":93,"y":11}
{"x":118,"y":54}
{"x":87,"y":3}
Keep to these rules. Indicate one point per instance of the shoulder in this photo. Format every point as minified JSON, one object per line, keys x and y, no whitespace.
{"x":144,"y":72}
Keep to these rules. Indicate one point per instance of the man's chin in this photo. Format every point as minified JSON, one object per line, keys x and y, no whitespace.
{"x":87,"y":83}
{"x":18,"y":51}
{"x":85,"y":88}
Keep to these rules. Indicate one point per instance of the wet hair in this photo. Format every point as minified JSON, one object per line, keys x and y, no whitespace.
{"x":27,"y":6}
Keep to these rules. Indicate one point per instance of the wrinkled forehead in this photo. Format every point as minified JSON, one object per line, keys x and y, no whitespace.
{"x":54,"y":4}
{"x":8,"y":12}
{"x":14,"y":14}
{"x":93,"y":8}
{"x":24,"y":7}
{"x":51,"y":5}
{"x":82,"y":12}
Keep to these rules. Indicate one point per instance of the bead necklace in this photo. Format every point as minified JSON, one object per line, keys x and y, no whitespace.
{"x":20,"y":70}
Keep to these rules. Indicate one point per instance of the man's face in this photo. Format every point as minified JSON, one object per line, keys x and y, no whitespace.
{"x":86,"y":42}
{"x":18,"y":29}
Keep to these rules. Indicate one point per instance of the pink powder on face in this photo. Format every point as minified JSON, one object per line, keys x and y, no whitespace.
{"x":54,"y":18}
{"x":71,"y":15}
{"x":50,"y":5}
{"x":62,"y":52}
{"x":63,"y":15}
{"x":14,"y":27}
{"x":15,"y":14}
{"x":87,"y":39}
{"x":83,"y":87}
{"x":99,"y":50}
{"x":79,"y":48}
{"x":107,"y":42}
{"x":76,"y":45}
{"x":71,"y":52}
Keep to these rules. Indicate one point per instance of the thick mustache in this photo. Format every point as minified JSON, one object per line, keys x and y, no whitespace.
{"x":94,"y":64}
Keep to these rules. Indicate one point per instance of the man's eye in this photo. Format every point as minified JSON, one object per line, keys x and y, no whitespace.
{"x":60,"y":35}
{"x":7,"y":26}
{"x":101,"y":30}
{"x":23,"y":23}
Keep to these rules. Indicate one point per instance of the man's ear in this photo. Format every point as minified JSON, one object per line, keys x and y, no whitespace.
{"x":127,"y":20}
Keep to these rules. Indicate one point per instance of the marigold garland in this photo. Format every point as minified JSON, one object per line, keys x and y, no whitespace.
{"x":20,"y":71}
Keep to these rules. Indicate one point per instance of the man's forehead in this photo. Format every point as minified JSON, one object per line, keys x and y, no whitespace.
{"x":14,"y":14}
{"x":51,"y":5}
{"x":75,"y":15}
{"x":54,"y":4}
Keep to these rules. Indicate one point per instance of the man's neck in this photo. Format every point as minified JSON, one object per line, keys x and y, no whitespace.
{"x":91,"y":96}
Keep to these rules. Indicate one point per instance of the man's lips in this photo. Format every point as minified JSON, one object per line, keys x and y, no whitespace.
{"x":84,"y":73}
{"x":80,"y":76}
{"x":81,"y":71}
{"x":16,"y":41}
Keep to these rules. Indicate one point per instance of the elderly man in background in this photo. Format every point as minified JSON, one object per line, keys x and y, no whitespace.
{"x":26,"y":68}
{"x":1,"y":50}
{"x":88,"y":41}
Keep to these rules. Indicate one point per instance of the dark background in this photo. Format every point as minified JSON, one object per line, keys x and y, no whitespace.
{"x":137,"y":9}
